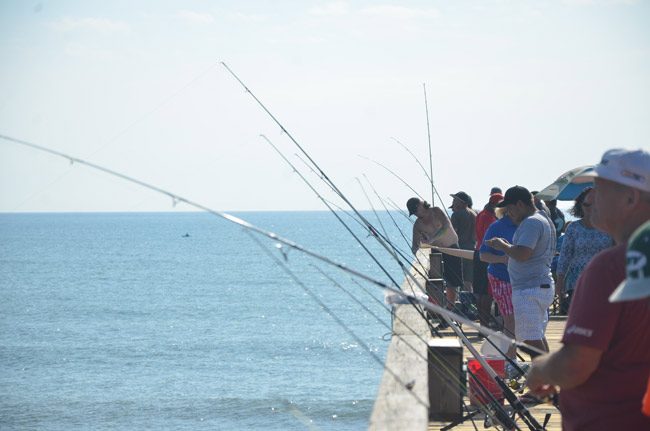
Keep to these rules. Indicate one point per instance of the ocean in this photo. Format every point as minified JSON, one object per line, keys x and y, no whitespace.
{"x":181,"y":321}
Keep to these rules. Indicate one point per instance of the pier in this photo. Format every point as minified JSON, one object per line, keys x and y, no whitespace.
{"x":406,"y":380}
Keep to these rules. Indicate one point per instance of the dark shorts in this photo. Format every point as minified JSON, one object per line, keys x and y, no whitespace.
{"x":453,"y":270}
{"x":480,"y":281}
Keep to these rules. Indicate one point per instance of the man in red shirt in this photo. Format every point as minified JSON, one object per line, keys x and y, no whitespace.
{"x":480,"y":281}
{"x":604,"y":363}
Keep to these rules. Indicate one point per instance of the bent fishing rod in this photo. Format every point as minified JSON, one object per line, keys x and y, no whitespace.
{"x":337,"y":319}
{"x":248,"y":227}
{"x":521,"y":409}
{"x":277,"y":238}
{"x":323,"y":174}
{"x":426,"y":108}
{"x":450,"y":378}
{"x":490,"y":317}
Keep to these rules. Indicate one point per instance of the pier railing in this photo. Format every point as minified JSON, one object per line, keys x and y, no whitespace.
{"x":405,"y":378}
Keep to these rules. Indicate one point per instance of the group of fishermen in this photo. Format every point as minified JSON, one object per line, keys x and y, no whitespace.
{"x":603,"y":367}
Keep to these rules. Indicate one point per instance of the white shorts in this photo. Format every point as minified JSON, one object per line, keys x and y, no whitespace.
{"x":531,"y":311}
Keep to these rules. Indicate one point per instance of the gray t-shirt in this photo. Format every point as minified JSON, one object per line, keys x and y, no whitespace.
{"x":537,"y":233}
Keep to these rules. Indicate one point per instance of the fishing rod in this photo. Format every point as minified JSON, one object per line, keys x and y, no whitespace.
{"x":365,"y":248}
{"x":521,"y":409}
{"x":426,"y":107}
{"x":176,"y":199}
{"x":442,"y":361}
{"x":372,"y":207}
{"x":407,"y":184}
{"x":368,"y":226}
{"x":426,"y":174}
{"x":395,"y":175}
{"x":392,"y":249}
{"x":387,"y":211}
{"x":515,"y":365}
{"x":273,"y":236}
{"x":512,"y":362}
{"x":490,"y":317}
{"x":338,"y":320}
{"x":324,"y":177}
{"x":445,"y":368}
{"x":248,"y":228}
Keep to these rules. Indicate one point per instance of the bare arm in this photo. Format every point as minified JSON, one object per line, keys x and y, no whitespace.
{"x":493,"y":258}
{"x":567,"y":368}
{"x":415,"y":243}
{"x":519,"y":253}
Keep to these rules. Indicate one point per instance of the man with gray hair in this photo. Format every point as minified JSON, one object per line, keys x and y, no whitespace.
{"x":604,"y":363}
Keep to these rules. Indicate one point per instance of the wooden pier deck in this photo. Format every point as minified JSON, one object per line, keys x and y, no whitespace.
{"x":403,"y":394}
{"x":554,"y":333}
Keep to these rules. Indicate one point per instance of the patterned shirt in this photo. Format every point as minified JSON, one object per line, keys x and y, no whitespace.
{"x":579,"y":245}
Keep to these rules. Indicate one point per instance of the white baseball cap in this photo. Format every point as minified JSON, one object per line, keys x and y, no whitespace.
{"x":630,"y":168}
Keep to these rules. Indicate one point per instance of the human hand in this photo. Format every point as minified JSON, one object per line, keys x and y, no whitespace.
{"x":497,"y":243}
{"x":538,"y":384}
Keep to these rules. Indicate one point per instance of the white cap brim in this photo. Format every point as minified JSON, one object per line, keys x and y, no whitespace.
{"x":631,"y":290}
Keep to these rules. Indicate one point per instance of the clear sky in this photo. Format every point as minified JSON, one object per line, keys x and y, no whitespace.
{"x":519,"y":92}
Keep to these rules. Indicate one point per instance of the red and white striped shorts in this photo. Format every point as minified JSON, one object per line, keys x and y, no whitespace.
{"x":501,"y":291}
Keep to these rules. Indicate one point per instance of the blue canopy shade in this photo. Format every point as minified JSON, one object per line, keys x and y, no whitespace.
{"x":565,"y":188}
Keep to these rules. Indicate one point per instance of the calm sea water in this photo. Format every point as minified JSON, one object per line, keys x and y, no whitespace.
{"x":118,"y":321}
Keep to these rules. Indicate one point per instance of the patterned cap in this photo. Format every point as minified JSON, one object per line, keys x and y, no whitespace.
{"x":637,"y":283}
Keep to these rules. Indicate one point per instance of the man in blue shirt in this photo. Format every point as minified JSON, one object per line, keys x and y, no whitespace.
{"x":500,"y":287}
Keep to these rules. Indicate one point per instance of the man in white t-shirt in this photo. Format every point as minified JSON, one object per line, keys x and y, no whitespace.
{"x":529,"y":265}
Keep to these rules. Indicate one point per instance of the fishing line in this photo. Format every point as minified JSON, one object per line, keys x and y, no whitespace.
{"x":156,"y":108}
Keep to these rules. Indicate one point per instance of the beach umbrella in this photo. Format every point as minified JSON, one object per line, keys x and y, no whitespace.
{"x":565,"y":188}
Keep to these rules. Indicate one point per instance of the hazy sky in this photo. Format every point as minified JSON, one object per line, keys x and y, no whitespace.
{"x":518,"y":91}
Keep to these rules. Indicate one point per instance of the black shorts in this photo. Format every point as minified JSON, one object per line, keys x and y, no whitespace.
{"x":453,"y":270}
{"x":480,"y":281}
